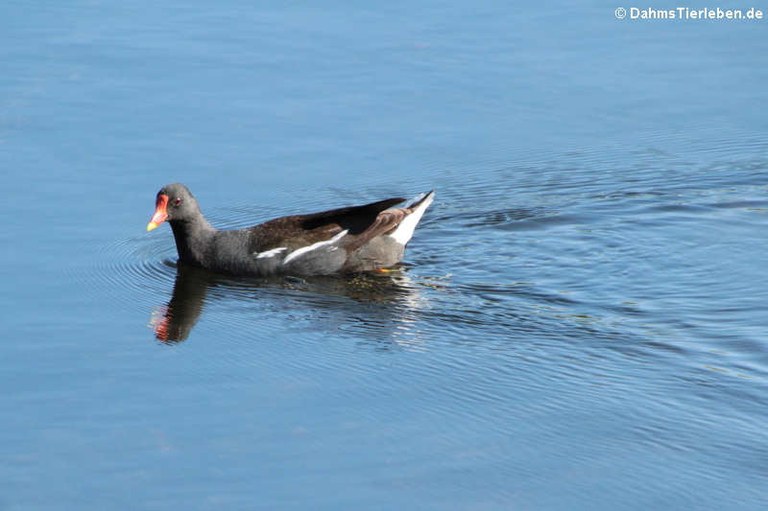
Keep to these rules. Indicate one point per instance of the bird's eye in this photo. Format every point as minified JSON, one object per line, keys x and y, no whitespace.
{"x":177,"y":201}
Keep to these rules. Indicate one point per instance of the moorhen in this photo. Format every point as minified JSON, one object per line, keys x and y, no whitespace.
{"x":346,"y":240}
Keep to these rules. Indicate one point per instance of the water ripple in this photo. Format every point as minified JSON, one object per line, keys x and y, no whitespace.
{"x":133,"y":266}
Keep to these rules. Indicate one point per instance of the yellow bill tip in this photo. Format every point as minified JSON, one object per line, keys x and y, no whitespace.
{"x":151,"y":226}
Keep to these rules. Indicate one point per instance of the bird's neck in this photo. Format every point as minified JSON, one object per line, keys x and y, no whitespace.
{"x":193,"y":240}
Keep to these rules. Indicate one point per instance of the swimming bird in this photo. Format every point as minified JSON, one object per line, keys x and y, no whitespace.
{"x":345,"y":240}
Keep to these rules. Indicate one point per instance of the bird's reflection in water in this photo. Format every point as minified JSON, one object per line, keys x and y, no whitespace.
{"x":174,"y":322}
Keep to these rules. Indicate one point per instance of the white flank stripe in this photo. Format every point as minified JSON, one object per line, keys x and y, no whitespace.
{"x":404,"y":231}
{"x":315,"y":246}
{"x":270,"y":253}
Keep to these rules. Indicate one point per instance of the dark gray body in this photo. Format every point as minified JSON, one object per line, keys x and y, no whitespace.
{"x":346,"y":240}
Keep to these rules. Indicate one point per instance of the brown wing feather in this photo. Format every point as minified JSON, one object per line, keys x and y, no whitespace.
{"x":355,"y":219}
{"x":363,"y":223}
{"x":385,"y":222}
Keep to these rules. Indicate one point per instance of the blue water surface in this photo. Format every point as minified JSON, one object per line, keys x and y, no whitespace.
{"x":581,"y":319}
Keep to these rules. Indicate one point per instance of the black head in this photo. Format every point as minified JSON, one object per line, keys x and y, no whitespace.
{"x":175,"y":203}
